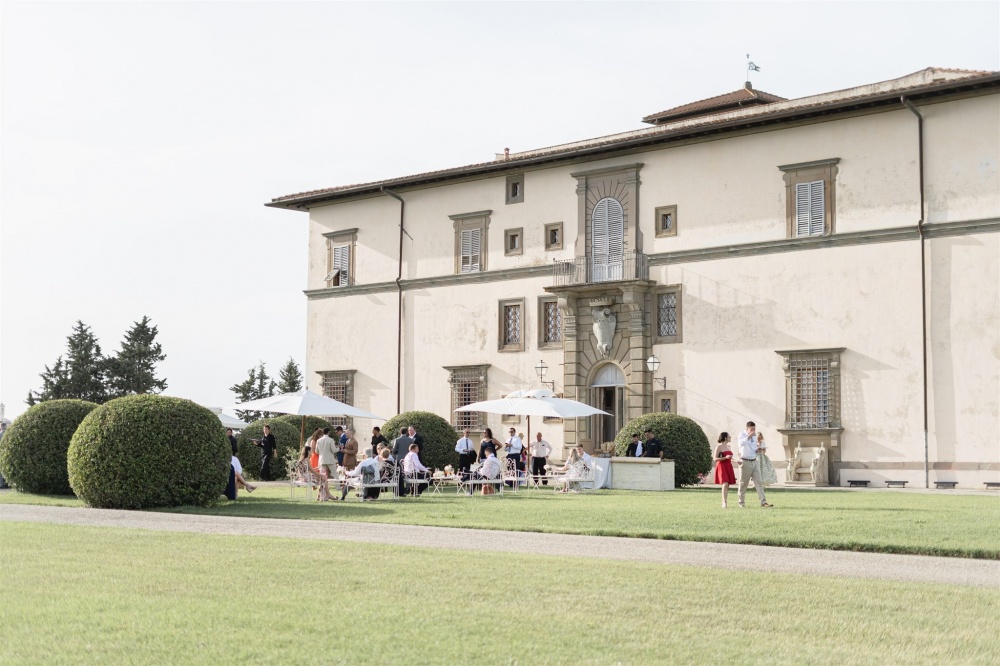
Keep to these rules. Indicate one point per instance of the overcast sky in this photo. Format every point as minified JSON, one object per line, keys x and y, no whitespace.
{"x":140,"y":140}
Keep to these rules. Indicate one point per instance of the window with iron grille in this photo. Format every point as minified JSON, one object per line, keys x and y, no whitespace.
{"x":468,"y":385}
{"x":339,"y":385}
{"x":813,"y":389}
{"x":551,"y":323}
{"x":668,"y":314}
{"x":511,"y":334}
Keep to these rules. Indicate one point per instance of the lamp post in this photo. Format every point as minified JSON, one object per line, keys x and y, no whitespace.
{"x":540,"y":370}
{"x":653,"y":363}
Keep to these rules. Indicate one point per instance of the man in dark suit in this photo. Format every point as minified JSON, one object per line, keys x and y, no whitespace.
{"x":400,"y":447}
{"x":652,"y":447}
{"x":268,"y":444}
{"x":633,"y":446}
{"x":417,"y":439}
{"x":232,"y":441}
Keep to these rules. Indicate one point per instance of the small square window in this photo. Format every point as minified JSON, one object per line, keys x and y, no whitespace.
{"x":513,"y":241}
{"x":515,"y":189}
{"x":666,"y":221}
{"x":665,"y":401}
{"x":554,"y":236}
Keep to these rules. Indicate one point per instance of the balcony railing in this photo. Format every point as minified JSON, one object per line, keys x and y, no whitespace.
{"x":633,"y":265}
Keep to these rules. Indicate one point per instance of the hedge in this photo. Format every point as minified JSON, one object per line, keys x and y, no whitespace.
{"x":439,"y":437}
{"x":312,"y":422}
{"x":146,"y":451}
{"x":33,"y":450}
{"x":285,"y":436}
{"x":683,"y":441}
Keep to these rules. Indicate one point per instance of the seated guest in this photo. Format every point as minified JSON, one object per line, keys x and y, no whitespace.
{"x":572,"y":471}
{"x":489,"y":470}
{"x":585,"y":457}
{"x":368,"y":471}
{"x":238,"y":474}
{"x":414,"y":469}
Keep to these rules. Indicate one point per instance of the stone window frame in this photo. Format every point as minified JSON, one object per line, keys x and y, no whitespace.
{"x":830,"y":357}
{"x":335,"y":239}
{"x":619,"y":182}
{"x":807,"y":172}
{"x":459,"y":375}
{"x":502,"y":325}
{"x":667,"y":394}
{"x":476,"y":220}
{"x":343,"y":382}
{"x":551,"y":419}
{"x":664,"y":210}
{"x":510,"y":419}
{"x":554,"y":226}
{"x":508,"y":236}
{"x":542,"y":324}
{"x":510,"y":197}
{"x":659,"y":291}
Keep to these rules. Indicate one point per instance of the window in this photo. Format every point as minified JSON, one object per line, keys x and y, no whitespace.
{"x":666,"y":221}
{"x":515,"y":189}
{"x":511,"y":333}
{"x":340,"y":257}
{"x":668,"y":314}
{"x":810,"y":189}
{"x":552,"y":419}
{"x":549,"y":323}
{"x":339,"y":385}
{"x":812,"y":380}
{"x":510,"y":419}
{"x":513,"y":241}
{"x":554,"y":236}
{"x":468,"y":385}
{"x":665,"y":401}
{"x":471,"y":241}
{"x":607,"y":240}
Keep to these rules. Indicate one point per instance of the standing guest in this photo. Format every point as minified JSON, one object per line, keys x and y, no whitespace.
{"x":341,"y":439}
{"x":350,"y":450}
{"x":268,"y":446}
{"x":311,"y":451}
{"x":232,"y":441}
{"x":514,"y":444}
{"x":652,"y":447}
{"x":750,"y":444}
{"x":487,"y":441}
{"x":466,"y":451}
{"x":634,"y":449}
{"x":400,"y":449}
{"x":417,"y":439}
{"x":540,"y":452}
{"x":724,"y":473}
{"x":377,"y":439}
{"x":414,"y":469}
{"x":326,"y":447}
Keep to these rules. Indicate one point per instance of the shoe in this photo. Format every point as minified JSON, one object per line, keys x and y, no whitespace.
{"x":724,"y":506}
{"x":743,"y":506}
{"x":250,"y":489}
{"x":765,"y":505}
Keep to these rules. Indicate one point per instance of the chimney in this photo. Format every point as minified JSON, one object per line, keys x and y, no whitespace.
{"x":506,"y":154}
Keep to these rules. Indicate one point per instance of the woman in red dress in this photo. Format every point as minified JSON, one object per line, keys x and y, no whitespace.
{"x":724,"y":466}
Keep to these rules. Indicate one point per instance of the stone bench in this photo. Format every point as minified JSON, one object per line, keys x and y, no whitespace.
{"x":949,"y":485}
{"x":992,"y":484}
{"x":895,"y":484}
{"x":858,"y":483}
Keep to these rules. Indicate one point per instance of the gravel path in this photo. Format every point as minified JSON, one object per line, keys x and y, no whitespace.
{"x":919,"y":568}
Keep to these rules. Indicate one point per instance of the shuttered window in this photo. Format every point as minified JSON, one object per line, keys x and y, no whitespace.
{"x":471,"y":242}
{"x":809,"y":209}
{"x":607,"y":240}
{"x":340,"y":266}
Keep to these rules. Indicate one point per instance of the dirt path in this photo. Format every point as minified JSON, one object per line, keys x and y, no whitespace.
{"x":919,"y":568}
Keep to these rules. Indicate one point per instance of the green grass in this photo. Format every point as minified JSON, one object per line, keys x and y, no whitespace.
{"x":893,"y":522}
{"x":111,"y":596}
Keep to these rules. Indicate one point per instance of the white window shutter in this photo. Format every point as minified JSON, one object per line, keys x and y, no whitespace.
{"x":342,"y":264}
{"x":810,"y":209}
{"x":471,"y":243}
{"x":607,"y":240}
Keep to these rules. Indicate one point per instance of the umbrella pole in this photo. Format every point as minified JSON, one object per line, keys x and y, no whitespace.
{"x":527,"y":457}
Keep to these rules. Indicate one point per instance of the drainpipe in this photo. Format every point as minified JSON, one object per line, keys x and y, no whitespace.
{"x":923,"y":277}
{"x":399,"y":312}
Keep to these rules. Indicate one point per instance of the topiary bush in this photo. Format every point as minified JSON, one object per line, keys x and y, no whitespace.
{"x":312,"y":422}
{"x":439,"y":437}
{"x":146,"y":451}
{"x":683,"y":441}
{"x":33,"y":450}
{"x":285,"y":436}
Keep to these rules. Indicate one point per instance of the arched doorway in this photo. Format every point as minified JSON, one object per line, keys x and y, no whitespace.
{"x":607,"y":390}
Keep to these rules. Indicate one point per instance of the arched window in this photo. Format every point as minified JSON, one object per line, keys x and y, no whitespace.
{"x":607,"y":240}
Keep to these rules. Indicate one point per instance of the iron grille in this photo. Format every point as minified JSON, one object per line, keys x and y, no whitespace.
{"x":553,"y":323}
{"x":337,"y":385}
{"x":468,"y":385}
{"x":811,"y":392}
{"x":666,"y":317}
{"x":511,"y":325}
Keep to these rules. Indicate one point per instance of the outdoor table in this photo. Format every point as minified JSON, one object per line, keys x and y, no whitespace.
{"x":438,"y":482}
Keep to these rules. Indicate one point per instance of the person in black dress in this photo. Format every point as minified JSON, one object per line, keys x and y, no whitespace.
{"x":232,"y":441}
{"x":268,"y":446}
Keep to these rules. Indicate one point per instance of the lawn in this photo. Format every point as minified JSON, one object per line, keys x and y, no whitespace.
{"x":105,"y":595}
{"x":877,"y":521}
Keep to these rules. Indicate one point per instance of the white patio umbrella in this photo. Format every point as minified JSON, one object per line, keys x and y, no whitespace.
{"x":227,"y":420}
{"x":305,"y":403}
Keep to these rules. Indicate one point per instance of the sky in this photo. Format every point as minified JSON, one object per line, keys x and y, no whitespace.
{"x":139,"y":141}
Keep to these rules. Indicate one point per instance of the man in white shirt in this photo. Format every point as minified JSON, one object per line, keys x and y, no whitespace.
{"x":514,"y":445}
{"x":327,"y":448}
{"x":540,"y":451}
{"x":585,"y":457}
{"x":489,"y":469}
{"x":367,"y":470}
{"x":466,"y":453}
{"x":751,"y":442}
{"x":414,"y":469}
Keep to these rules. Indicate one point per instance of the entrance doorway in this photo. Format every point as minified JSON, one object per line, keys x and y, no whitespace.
{"x":608,"y":394}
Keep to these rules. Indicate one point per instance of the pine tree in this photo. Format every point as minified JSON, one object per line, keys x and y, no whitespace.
{"x":55,"y":384}
{"x":80,"y":375}
{"x":257,"y":385}
{"x":290,"y":377}
{"x":133,"y":370}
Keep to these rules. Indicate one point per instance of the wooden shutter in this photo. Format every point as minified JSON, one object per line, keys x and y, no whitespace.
{"x":809,"y":209}
{"x":342,"y":265}
{"x":607,"y":240}
{"x":470,"y":250}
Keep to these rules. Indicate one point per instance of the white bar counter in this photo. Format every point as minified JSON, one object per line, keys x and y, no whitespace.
{"x":642,"y":474}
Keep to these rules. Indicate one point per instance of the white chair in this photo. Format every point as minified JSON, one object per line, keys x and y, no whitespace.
{"x":386,"y":481}
{"x":510,"y":474}
{"x":300,"y":476}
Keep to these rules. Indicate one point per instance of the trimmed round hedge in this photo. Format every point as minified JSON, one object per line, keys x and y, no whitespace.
{"x":683,"y":441}
{"x":33,"y":450}
{"x":312,"y":422}
{"x":439,"y":437}
{"x":146,"y":451}
{"x":285,"y":436}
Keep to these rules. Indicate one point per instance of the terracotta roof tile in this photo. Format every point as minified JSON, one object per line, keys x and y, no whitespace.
{"x":738,"y":98}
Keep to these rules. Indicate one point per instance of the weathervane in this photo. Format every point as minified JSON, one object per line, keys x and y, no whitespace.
{"x":751,"y":67}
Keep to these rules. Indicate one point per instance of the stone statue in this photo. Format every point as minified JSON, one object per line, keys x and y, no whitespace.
{"x":817,"y":469}
{"x":793,"y":463}
{"x":604,"y":330}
